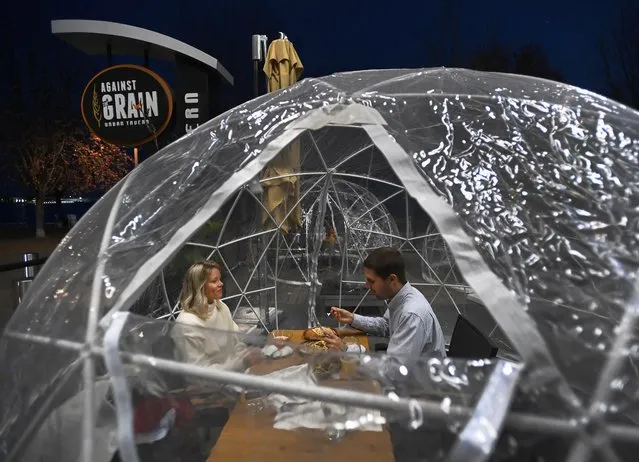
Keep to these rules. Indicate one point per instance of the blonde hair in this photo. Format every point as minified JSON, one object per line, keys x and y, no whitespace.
{"x":192,"y":298}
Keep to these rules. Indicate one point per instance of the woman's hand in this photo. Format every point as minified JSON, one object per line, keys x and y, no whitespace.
{"x":341,"y":315}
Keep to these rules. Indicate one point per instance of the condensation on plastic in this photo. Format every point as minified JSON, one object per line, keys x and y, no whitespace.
{"x":542,"y":177}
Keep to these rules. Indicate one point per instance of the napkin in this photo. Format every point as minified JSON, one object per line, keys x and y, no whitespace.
{"x":271,"y":351}
{"x":294,"y":412}
{"x":355,"y":348}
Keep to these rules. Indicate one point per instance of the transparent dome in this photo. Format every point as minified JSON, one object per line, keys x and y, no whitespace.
{"x":355,"y":221}
{"x":439,"y":264}
{"x":518,"y":191}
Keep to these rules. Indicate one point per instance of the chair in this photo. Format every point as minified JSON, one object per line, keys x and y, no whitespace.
{"x":469,"y":343}
{"x":199,"y":417}
{"x":380,"y":346}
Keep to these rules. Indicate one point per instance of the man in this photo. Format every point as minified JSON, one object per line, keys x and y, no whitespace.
{"x":409,"y":321}
{"x":413,"y":329}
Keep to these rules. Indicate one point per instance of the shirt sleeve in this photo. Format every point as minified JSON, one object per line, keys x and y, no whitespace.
{"x":372,"y":324}
{"x":409,"y":338}
{"x":404,"y":348}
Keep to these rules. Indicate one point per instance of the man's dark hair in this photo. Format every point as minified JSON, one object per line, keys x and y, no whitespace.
{"x":386,"y":261}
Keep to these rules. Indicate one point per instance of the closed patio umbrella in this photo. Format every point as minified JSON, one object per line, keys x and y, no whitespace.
{"x":283,"y":68}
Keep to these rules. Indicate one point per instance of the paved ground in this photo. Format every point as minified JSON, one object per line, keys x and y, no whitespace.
{"x":13,"y":243}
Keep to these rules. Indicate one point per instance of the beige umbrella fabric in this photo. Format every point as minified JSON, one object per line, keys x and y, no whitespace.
{"x":283,"y":68}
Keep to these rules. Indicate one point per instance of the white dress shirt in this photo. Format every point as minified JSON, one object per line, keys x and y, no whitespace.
{"x":409,"y":323}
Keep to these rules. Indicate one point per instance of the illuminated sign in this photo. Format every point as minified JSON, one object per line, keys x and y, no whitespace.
{"x":127,"y":105}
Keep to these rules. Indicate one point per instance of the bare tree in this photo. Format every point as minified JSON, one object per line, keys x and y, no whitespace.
{"x":620,"y":54}
{"x":56,"y":156}
{"x":50,"y":149}
{"x":41,"y":150}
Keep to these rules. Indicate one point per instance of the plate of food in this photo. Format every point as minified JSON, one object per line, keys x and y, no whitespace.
{"x":322,"y":365}
{"x":279,"y":339}
{"x":313,"y":347}
{"x":317,"y":333}
{"x":325,"y":368}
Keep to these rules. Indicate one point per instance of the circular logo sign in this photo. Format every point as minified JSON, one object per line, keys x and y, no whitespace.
{"x":127,"y":105}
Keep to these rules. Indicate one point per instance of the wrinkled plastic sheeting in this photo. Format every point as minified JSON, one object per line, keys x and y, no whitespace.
{"x":544,"y":180}
{"x":542,"y":177}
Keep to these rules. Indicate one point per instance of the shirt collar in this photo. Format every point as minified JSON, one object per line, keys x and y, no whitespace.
{"x":399,"y":297}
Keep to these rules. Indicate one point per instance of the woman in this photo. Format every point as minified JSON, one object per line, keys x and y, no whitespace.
{"x":203,"y":309}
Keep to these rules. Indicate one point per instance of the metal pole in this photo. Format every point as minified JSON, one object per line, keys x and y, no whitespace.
{"x":317,"y":238}
{"x":264,"y":305}
{"x":409,"y":226}
{"x":29,"y":273}
{"x":256,"y":78}
{"x":431,"y":409}
{"x":94,"y":308}
{"x":262,"y":251}
{"x":275,"y":276}
{"x":258,"y":48}
{"x":22,"y":287}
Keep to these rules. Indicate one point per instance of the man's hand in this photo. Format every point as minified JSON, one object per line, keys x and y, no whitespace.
{"x":341,"y":315}
{"x":333,"y":342}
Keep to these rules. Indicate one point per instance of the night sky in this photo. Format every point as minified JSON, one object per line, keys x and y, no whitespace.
{"x":330,"y":36}
{"x":353,"y":34}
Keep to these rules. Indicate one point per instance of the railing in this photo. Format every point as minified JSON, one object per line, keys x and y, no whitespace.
{"x":30,"y":263}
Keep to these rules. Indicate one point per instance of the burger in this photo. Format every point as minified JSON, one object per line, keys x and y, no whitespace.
{"x":317,"y":333}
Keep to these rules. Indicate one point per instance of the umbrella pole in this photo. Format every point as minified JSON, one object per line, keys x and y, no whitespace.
{"x":256,"y":78}
{"x":259,"y":51}
{"x":258,"y":47}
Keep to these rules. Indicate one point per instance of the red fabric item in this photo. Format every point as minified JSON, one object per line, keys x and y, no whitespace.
{"x":149,"y":412}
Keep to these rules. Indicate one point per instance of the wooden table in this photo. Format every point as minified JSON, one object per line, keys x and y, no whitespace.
{"x":250,"y":437}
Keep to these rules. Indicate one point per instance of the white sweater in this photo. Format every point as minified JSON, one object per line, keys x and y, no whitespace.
{"x":212,"y":342}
